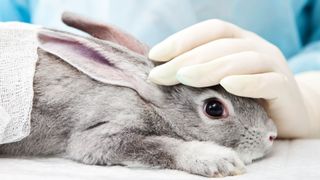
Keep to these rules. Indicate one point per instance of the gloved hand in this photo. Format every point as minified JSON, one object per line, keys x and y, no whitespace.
{"x":215,"y":51}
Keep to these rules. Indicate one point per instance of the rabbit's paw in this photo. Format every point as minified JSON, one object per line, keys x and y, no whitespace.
{"x":208,"y":159}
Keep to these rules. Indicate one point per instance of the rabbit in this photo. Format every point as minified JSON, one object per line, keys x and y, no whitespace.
{"x":93,"y":104}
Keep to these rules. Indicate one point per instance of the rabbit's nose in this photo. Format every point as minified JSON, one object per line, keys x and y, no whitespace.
{"x":272,"y":136}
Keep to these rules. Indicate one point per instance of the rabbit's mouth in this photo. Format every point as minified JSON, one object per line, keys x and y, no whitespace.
{"x":254,"y":153}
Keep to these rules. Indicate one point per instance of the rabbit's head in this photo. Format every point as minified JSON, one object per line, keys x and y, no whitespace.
{"x":204,"y":114}
{"x":212,"y":114}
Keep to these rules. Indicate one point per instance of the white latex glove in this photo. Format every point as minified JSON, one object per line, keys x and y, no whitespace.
{"x":215,"y":51}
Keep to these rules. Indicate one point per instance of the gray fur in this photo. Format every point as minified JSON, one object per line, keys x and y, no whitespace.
{"x":77,"y":117}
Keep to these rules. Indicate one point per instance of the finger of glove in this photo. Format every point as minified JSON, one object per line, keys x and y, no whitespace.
{"x":264,"y":85}
{"x":212,"y":72}
{"x":193,"y":37}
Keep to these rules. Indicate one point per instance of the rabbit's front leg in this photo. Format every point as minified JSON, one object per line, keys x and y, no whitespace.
{"x":203,"y":158}
{"x":208,"y":159}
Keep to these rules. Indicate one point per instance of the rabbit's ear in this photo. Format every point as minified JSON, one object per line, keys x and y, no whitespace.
{"x":100,"y":63}
{"x":104,"y":32}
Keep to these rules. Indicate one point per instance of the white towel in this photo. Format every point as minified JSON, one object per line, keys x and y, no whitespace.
{"x":18,"y":55}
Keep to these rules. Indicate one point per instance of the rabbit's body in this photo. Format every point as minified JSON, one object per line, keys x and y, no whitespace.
{"x":115,"y":116}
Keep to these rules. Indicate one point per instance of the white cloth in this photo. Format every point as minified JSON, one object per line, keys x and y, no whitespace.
{"x":290,"y":160}
{"x":18,"y":55}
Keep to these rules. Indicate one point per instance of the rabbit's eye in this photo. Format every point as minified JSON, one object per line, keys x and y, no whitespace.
{"x":214,"y":108}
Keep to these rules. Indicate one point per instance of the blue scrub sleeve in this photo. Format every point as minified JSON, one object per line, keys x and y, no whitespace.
{"x":309,"y":58}
{"x":16,"y":10}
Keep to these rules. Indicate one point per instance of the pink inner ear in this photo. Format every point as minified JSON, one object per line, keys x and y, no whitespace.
{"x":85,"y":56}
{"x":73,"y":45}
{"x":91,"y":55}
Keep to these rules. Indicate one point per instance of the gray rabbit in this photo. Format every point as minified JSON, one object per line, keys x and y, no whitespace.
{"x":93,"y":104}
